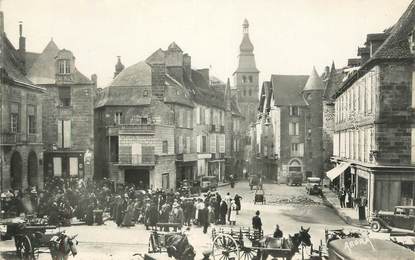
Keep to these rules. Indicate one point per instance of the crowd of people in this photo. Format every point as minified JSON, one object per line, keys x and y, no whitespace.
{"x":63,"y":200}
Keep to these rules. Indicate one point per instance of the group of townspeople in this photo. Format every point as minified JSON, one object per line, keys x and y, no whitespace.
{"x":346,"y":198}
{"x":176,"y":209}
{"x":63,"y":200}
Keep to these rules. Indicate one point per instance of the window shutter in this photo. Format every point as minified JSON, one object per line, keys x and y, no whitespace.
{"x":180,"y":144}
{"x":297,"y":128}
{"x":213,"y":143}
{"x":188,"y":143}
{"x":73,"y":166}
{"x":290,"y":129}
{"x":202,"y":116}
{"x":207,"y":116}
{"x":198,"y":143}
{"x":60,"y":137}
{"x":67,"y":134}
{"x":222,"y":144}
{"x":301,"y":149}
{"x":198,"y":115}
{"x":135,"y":153}
{"x":57,"y":166}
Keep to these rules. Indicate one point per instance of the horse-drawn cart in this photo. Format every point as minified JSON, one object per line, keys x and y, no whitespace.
{"x":29,"y":237}
{"x":249,"y":244}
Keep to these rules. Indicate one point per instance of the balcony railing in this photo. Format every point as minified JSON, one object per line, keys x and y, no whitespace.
{"x":132,"y":129}
{"x":136,"y":159}
{"x":10,"y":138}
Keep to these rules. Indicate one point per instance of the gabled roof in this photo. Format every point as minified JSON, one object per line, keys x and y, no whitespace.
{"x":287,"y":89}
{"x":158,"y":57}
{"x":174,"y":47}
{"x":136,"y":75}
{"x":43,"y":70}
{"x":314,"y":82}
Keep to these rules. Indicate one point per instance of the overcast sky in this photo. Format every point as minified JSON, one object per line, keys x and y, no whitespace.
{"x":290,"y":36}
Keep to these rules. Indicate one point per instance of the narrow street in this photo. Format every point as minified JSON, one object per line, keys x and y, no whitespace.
{"x":290,"y":207}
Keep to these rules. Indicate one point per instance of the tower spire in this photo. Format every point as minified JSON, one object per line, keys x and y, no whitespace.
{"x":245,"y":26}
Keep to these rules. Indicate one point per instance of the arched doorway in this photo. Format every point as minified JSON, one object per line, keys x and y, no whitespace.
{"x":16,"y":171}
{"x":32,"y":169}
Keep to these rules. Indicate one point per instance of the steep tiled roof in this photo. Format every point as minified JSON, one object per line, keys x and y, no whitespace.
{"x":333,"y":83}
{"x":11,"y":61}
{"x":138,"y":74}
{"x":314,"y":82}
{"x":126,"y":96}
{"x":31,"y":57}
{"x":43,"y":69}
{"x":203,"y":93}
{"x":175,"y":92}
{"x":396,"y":46}
{"x":287,"y":89}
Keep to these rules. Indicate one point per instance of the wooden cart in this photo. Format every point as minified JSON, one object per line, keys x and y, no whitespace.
{"x":28,"y":239}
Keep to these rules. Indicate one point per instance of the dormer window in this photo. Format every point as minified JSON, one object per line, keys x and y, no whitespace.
{"x":411,"y":40}
{"x":64,"y":67}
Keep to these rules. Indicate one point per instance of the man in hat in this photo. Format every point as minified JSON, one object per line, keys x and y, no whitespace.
{"x":278,"y":233}
{"x":256,"y":221}
{"x":176,"y":215}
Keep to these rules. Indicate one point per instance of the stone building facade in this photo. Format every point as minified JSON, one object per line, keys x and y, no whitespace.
{"x":68,"y":120}
{"x":21,"y":144}
{"x":163,"y":110}
{"x":374,"y":138}
{"x":287,"y":137}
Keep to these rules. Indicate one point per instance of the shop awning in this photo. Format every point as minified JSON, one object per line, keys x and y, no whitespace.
{"x":336,"y":171}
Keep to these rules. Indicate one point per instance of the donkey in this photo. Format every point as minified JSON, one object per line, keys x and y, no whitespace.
{"x":178,"y":246}
{"x":61,"y":245}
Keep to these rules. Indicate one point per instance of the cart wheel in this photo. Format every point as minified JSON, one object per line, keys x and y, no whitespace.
{"x":23,"y":247}
{"x":248,"y":253}
{"x":224,"y":248}
{"x":375,"y":226}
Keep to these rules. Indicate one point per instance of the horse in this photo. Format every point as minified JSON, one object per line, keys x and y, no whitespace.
{"x":178,"y":246}
{"x":302,"y":238}
{"x":61,"y":245}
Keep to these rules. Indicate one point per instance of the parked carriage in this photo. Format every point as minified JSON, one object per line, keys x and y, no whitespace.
{"x":29,"y":237}
{"x":250,"y":244}
{"x":259,"y":196}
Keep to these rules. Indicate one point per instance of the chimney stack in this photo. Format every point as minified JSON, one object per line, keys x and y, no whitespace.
{"x":94,"y":78}
{"x":22,"y":42}
{"x":1,"y":22}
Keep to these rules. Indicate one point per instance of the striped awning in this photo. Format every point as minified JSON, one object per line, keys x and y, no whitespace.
{"x":336,"y":171}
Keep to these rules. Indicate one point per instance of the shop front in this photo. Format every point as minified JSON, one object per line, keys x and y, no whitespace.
{"x":64,"y":164}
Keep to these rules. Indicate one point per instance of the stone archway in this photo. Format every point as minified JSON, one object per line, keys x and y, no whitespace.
{"x":32,"y":169}
{"x":16,"y":180}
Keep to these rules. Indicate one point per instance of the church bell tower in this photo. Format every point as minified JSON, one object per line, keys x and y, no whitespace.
{"x":246,"y":78}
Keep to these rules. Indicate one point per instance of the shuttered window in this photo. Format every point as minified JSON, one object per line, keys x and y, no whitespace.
{"x":64,"y":134}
